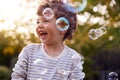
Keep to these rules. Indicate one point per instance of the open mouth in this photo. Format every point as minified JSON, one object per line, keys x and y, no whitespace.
{"x":43,"y":33}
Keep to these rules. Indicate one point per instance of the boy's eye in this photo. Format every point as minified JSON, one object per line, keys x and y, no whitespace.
{"x":46,"y":21}
{"x":37,"y":22}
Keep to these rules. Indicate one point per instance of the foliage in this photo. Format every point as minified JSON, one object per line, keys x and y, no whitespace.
{"x":4,"y":73}
{"x":11,"y":44}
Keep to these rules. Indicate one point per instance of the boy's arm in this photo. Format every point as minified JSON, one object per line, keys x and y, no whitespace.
{"x":20,"y":69}
{"x":76,"y":72}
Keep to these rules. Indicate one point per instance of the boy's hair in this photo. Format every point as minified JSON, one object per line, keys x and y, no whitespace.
{"x":60,"y":11}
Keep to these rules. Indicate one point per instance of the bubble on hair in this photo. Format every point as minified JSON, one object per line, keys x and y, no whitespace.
{"x":48,"y":13}
{"x":62,"y":24}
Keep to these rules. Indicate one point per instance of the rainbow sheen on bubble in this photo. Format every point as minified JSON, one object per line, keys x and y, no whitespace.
{"x":62,"y":24}
{"x":48,"y":13}
{"x":77,"y":9}
{"x":70,"y":8}
{"x":82,"y":6}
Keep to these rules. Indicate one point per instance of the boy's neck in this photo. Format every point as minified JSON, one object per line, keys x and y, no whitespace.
{"x":54,"y":49}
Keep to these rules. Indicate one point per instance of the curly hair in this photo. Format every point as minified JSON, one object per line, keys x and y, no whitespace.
{"x":60,"y":10}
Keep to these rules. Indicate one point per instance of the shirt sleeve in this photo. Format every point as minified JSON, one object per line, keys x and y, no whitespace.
{"x":76,"y":71}
{"x":20,"y":68}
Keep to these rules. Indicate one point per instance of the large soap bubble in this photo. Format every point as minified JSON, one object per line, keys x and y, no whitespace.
{"x":62,"y":24}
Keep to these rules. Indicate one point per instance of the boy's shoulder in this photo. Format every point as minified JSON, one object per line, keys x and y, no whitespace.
{"x":72,"y":51}
{"x":75,"y":56}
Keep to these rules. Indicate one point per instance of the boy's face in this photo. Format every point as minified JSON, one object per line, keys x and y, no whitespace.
{"x":47,"y":31}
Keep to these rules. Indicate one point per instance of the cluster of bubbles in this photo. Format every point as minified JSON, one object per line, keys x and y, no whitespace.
{"x":62,"y":23}
{"x":96,"y":33}
{"x":59,"y":71}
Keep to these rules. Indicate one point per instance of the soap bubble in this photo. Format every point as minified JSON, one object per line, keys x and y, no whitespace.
{"x":48,"y":13}
{"x":99,"y":32}
{"x":92,"y":34}
{"x":82,"y":6}
{"x":103,"y":30}
{"x":78,"y":9}
{"x":113,"y":76}
{"x":62,"y":24}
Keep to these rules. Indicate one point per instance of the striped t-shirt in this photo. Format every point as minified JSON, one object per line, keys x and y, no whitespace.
{"x":34,"y":64}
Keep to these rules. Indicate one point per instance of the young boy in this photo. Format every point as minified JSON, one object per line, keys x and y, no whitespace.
{"x":51,"y":59}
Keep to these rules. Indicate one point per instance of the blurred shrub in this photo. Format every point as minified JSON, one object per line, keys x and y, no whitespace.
{"x":4,"y":73}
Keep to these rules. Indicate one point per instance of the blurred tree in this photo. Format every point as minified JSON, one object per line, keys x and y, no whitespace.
{"x":11,"y":44}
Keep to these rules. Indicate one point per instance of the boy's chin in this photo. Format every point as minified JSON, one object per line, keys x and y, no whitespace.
{"x":43,"y":41}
